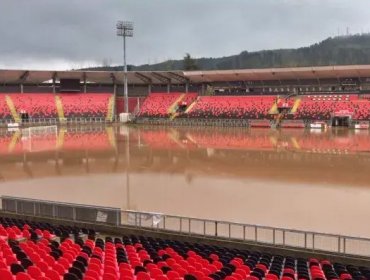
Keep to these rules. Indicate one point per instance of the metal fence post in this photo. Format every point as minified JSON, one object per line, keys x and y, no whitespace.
{"x":344,"y":245}
{"x":305,"y":240}
{"x":339,"y":241}
{"x":180,"y":224}
{"x":74,"y":213}
{"x":243,"y":232}
{"x":255,"y":233}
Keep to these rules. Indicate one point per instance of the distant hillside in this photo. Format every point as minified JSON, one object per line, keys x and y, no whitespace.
{"x":342,"y":50}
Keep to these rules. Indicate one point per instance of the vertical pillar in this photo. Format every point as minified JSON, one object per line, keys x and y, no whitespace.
{"x":186,"y":87}
{"x":54,"y":90}
{"x":22,"y":88}
{"x":168,"y":88}
{"x":149,"y":88}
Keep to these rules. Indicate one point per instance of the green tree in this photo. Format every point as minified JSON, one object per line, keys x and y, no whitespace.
{"x":189,"y":63}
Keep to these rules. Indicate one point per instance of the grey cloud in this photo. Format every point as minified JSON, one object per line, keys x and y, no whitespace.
{"x":81,"y":32}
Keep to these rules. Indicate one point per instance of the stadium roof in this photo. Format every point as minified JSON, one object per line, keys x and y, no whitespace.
{"x":297,"y":73}
{"x":180,"y":77}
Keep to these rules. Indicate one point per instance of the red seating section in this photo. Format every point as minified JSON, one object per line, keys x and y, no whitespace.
{"x":133,"y":103}
{"x":85,"y":104}
{"x":43,"y":105}
{"x":27,"y":252}
{"x":321,"y":107}
{"x":36,"y":105}
{"x":313,"y":107}
{"x":158,"y":104}
{"x":252,"y":107}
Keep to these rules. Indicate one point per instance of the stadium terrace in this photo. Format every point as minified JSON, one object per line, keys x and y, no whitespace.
{"x":279,"y":97}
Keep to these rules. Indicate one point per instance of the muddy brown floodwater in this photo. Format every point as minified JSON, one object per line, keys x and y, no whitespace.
{"x":306,"y":180}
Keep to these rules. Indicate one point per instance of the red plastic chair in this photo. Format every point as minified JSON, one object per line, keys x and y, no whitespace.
{"x":5,"y":274}
{"x":59,"y":268}
{"x":34,"y":271}
{"x":22,"y":276}
{"x":109,"y":276}
{"x":52,"y":274}
{"x":92,"y":273}
{"x":142,"y":276}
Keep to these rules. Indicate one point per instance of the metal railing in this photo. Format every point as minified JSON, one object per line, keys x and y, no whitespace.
{"x":265,"y":235}
{"x":308,"y":240}
{"x":61,"y":210}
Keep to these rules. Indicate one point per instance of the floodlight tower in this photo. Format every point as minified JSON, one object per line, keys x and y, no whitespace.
{"x":125,"y":29}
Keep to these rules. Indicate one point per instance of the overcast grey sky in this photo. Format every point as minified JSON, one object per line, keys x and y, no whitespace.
{"x":64,"y":34}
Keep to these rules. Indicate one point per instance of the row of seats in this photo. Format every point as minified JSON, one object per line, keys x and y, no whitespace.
{"x":40,"y":257}
{"x":251,"y":107}
{"x":133,"y":104}
{"x":323,"y":110}
{"x":44,"y":105}
{"x":85,"y":105}
{"x":312,"y":107}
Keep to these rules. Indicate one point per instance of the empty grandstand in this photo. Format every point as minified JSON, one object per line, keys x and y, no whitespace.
{"x":282,"y":97}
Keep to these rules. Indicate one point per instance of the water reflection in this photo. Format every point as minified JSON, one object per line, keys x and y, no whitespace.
{"x":289,"y":178}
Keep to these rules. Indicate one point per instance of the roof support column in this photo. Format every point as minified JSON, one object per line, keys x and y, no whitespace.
{"x":85,"y":86}
{"x":186,"y":87}
{"x":54,"y":78}
{"x":149,"y":88}
{"x":168,"y":87}
{"x":22,"y":79}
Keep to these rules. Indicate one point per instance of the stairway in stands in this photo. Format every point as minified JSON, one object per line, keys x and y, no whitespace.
{"x":190,"y":107}
{"x":59,"y":105}
{"x":12,"y":109}
{"x":296,"y":104}
{"x":171,"y":110}
{"x":274,"y":109}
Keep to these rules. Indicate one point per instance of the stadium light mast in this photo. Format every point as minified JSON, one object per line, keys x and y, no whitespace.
{"x":125,"y":29}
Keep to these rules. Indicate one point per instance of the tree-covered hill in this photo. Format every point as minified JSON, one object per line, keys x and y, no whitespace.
{"x":342,"y":50}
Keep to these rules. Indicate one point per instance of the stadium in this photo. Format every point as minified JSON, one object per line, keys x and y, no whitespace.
{"x":74,"y":122}
{"x":248,"y":167}
{"x":282,"y":97}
